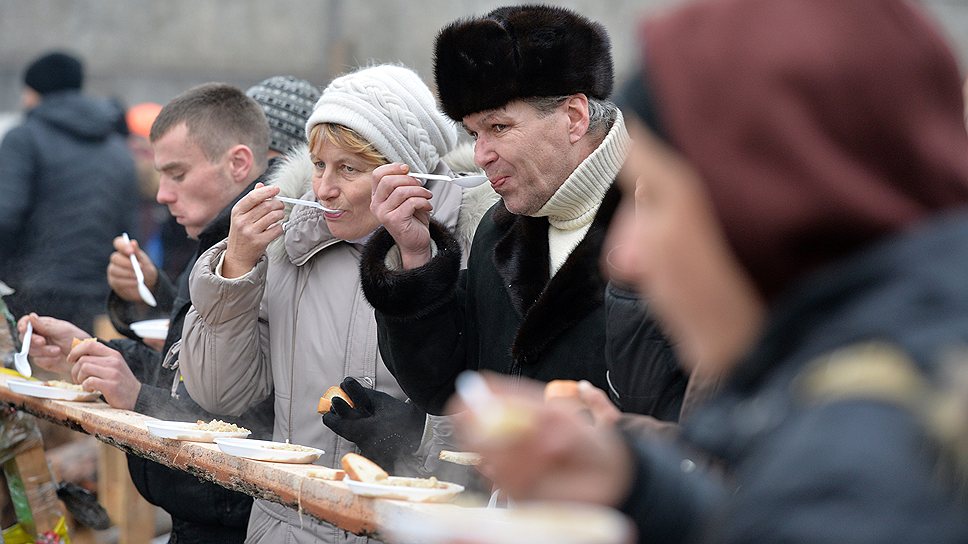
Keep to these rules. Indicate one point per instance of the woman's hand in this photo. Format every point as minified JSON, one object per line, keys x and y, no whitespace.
{"x":256,"y":221}
{"x":402,"y":204}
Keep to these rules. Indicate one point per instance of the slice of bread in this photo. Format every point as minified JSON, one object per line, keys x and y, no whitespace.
{"x":325,"y":473}
{"x":326,"y":401}
{"x":460,"y":457}
{"x":361,"y":469}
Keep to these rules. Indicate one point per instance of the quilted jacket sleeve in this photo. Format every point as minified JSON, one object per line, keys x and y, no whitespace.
{"x":225,"y":340}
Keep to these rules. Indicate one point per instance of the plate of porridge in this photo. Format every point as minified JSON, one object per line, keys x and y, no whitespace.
{"x":265,"y":450}
{"x":200,"y":431}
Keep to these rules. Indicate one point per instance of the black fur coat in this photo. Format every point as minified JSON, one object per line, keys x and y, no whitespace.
{"x":501,"y":314}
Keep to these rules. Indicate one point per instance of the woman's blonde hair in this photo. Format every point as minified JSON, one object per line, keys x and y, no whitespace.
{"x":348,"y":139}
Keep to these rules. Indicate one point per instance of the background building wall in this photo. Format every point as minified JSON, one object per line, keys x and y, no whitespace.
{"x":149,"y":50}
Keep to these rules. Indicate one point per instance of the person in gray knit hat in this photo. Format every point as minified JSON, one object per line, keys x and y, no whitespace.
{"x":305,"y":288}
{"x":531,"y":85}
{"x":287,"y":102}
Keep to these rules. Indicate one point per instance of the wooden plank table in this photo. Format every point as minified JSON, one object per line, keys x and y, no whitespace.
{"x":287,"y":484}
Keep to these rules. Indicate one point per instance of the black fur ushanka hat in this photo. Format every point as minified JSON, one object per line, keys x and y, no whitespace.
{"x":520,"y":52}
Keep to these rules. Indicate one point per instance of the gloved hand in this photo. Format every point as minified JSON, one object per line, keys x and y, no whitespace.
{"x":383,"y":427}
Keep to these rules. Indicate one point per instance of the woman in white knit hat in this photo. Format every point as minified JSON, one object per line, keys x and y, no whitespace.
{"x":290,"y":319}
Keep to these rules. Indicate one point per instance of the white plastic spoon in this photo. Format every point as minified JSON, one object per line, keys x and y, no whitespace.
{"x":20,"y":361}
{"x":140,"y":276}
{"x":463,"y":181}
{"x":310,"y":203}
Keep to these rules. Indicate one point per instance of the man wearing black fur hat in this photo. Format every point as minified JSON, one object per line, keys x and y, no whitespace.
{"x":530,"y":85}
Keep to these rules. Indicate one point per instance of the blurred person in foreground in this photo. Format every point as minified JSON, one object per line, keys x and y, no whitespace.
{"x":530,"y":84}
{"x":278,"y":312}
{"x":210,"y":145}
{"x":69,"y":187}
{"x":796,"y":229}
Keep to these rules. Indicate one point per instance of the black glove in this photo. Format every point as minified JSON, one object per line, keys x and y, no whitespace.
{"x":383,"y":427}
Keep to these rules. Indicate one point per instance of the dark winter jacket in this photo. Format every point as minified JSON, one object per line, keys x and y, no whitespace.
{"x":69,"y":187}
{"x":805,"y":468}
{"x":502,"y":313}
{"x":201,"y":511}
{"x":643,"y":372}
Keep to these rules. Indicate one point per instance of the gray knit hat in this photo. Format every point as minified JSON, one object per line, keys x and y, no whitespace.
{"x":287,"y":102}
{"x":392,"y":109}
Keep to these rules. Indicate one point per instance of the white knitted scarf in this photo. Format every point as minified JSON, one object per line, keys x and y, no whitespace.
{"x":572,"y":208}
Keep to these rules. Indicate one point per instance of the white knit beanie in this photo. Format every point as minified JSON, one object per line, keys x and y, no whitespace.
{"x":392,"y":109}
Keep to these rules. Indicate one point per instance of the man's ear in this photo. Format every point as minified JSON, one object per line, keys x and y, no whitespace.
{"x":576,"y":106}
{"x":241,"y":162}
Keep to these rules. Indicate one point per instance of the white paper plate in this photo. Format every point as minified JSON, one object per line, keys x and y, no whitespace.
{"x":264,"y":450}
{"x":39,"y":390}
{"x":561,"y":523}
{"x":152,"y":329}
{"x":405,"y":493}
{"x":180,"y":430}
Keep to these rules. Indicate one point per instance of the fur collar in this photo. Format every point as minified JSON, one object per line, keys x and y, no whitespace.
{"x":549,"y":308}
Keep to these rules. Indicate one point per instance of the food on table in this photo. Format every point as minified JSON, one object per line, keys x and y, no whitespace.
{"x":219,"y":426}
{"x":61,"y":384}
{"x":419,"y":483}
{"x":326,"y":401}
{"x":290,"y":447}
{"x":326,"y":473}
{"x":362,"y":469}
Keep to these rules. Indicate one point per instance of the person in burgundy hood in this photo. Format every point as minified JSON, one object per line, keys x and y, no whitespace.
{"x":799,"y":182}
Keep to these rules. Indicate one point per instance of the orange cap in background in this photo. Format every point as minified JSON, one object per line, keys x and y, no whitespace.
{"x":140,"y":117}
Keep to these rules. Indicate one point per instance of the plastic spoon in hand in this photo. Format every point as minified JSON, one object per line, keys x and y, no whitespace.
{"x":140,"y":276}
{"x":20,"y":361}
{"x":310,"y":203}
{"x":463,"y":181}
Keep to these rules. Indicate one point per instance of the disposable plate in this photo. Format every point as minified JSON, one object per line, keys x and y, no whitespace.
{"x":39,"y":390}
{"x":264,"y":450}
{"x":561,"y":523}
{"x":180,"y":430}
{"x":444,"y":492}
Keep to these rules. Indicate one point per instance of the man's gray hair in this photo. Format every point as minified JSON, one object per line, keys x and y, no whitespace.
{"x":601,"y":113}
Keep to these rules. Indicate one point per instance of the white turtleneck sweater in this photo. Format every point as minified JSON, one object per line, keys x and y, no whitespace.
{"x":572,"y":208}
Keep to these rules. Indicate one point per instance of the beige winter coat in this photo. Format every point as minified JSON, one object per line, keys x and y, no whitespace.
{"x":296,"y":324}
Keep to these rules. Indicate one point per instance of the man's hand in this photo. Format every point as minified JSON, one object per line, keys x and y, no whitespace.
{"x":121,"y":276}
{"x":256,"y":221}
{"x":99,"y":368}
{"x":51,"y":341}
{"x":403,"y":206}
{"x":383,"y":427}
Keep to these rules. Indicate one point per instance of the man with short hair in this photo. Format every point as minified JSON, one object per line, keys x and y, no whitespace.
{"x":210,"y":145}
{"x":530,"y":84}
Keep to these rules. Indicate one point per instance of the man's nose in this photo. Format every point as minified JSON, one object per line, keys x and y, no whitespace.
{"x":164,"y":194}
{"x":484,"y":153}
